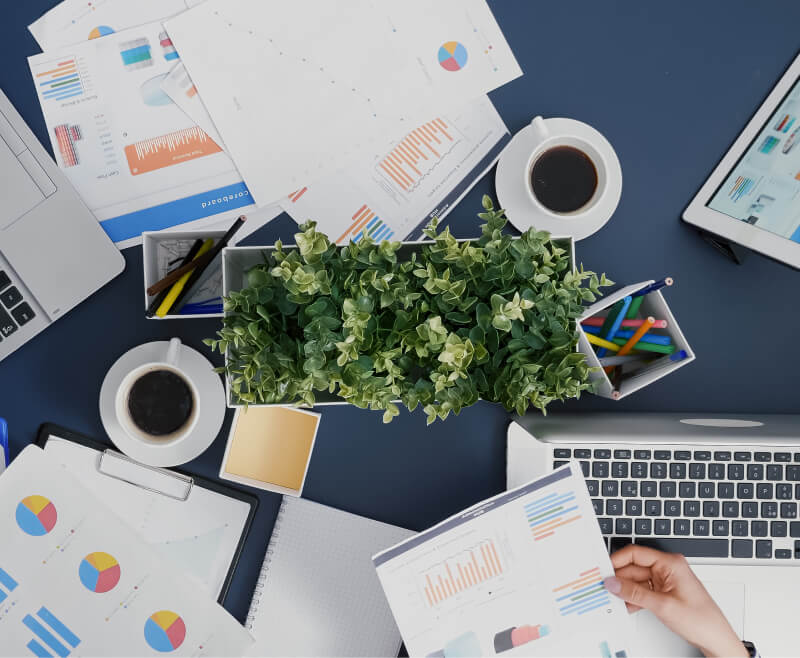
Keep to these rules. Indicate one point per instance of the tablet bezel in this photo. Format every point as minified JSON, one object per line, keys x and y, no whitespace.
{"x":699,"y":214}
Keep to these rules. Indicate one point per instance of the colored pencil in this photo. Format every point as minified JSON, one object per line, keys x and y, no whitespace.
{"x":618,"y":317}
{"x":151,"y":310}
{"x":668,"y":281}
{"x":179,"y":286}
{"x":645,"y":347}
{"x":616,"y":380}
{"x":627,"y":347}
{"x":633,"y":309}
{"x":596,"y":340}
{"x":630,"y":358}
{"x":597,"y":321}
{"x":198,"y":271}
{"x":656,"y":339}
{"x":678,"y":356}
{"x":177,"y":273}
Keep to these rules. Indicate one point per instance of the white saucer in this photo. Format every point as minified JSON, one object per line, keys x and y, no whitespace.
{"x":211,"y":415}
{"x":513,"y":195}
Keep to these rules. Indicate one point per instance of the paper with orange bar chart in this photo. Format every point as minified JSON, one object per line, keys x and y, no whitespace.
{"x":137,"y":160}
{"x":521,"y":573}
{"x":393,"y":194}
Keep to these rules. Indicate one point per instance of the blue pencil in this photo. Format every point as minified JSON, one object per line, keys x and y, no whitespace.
{"x":655,"y":339}
{"x":616,"y":325}
{"x":653,"y":287}
{"x":678,"y":356}
{"x":4,"y":442}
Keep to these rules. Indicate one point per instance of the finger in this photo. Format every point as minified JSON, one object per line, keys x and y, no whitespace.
{"x":636,"y":593}
{"x":632,"y":608}
{"x":644,"y":556}
{"x":635,"y":572}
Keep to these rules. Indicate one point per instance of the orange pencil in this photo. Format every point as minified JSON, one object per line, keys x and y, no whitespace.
{"x":627,"y":347}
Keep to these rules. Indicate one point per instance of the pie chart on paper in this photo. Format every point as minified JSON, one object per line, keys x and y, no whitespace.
{"x":99,"y":572}
{"x":164,"y":631}
{"x":100,"y":31}
{"x":36,"y":515}
{"x":452,"y":56}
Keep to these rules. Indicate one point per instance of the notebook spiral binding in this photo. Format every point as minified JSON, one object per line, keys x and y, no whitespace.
{"x":258,"y":590}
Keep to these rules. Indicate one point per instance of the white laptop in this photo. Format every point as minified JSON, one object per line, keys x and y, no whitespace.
{"x":724,"y":491}
{"x":53,"y":253}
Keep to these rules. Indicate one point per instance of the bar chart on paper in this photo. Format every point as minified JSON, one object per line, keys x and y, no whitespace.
{"x":582,"y":595}
{"x":475,"y":565}
{"x":166,"y":150}
{"x":59,"y":80}
{"x":545,"y":515}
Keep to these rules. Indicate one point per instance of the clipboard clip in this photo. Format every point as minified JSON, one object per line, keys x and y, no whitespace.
{"x":150,"y":478}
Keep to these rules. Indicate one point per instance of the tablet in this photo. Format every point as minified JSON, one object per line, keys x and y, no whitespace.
{"x":752,"y":198}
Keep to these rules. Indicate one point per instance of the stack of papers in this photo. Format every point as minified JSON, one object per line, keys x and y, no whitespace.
{"x":368,"y":117}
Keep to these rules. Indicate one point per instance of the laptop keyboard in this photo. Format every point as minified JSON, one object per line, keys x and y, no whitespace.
{"x":704,"y":503}
{"x":14,"y":311}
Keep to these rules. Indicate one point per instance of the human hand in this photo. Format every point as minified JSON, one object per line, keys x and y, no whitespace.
{"x":665,"y":584}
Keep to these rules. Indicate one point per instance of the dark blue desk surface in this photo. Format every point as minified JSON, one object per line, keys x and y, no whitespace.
{"x":670,"y":85}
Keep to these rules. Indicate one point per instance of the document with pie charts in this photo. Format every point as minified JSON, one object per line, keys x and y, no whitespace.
{"x":76,"y":580}
{"x":296,"y":89}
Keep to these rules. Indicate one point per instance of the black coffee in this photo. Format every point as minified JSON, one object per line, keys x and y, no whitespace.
{"x":563,"y":179}
{"x":160,"y":402}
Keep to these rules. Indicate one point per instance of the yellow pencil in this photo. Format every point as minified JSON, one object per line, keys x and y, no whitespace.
{"x":601,"y":342}
{"x":637,"y":336}
{"x":177,"y":287}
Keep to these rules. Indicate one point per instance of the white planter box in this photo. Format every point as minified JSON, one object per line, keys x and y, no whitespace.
{"x":236,"y":261}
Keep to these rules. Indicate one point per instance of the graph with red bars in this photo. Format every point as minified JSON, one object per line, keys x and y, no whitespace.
{"x":365,"y":222}
{"x":66,"y":136}
{"x":463,"y":571}
{"x":414,"y":156}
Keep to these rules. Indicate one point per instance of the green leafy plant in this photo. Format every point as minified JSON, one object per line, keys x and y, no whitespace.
{"x":439,"y":326}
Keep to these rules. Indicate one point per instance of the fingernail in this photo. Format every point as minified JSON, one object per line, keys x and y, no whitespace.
{"x":613,"y":585}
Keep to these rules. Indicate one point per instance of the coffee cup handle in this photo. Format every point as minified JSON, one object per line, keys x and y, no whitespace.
{"x":173,"y":352}
{"x":540,"y":128}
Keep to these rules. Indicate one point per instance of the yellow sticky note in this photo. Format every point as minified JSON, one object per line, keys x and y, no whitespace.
{"x":271,"y":445}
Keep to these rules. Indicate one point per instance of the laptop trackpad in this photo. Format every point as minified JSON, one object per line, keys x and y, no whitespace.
{"x":652,"y":638}
{"x":17,"y":189}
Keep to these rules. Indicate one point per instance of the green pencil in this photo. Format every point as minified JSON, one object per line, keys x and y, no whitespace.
{"x":613,"y":312}
{"x":647,"y":347}
{"x":633,"y":309}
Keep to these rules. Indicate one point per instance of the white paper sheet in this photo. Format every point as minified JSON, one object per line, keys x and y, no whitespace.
{"x":297,"y":89}
{"x":76,"y":579}
{"x":180,"y":88}
{"x":521,"y":572}
{"x":73,"y":21}
{"x":137,"y":160}
{"x":199,"y":535}
{"x":393,"y":194}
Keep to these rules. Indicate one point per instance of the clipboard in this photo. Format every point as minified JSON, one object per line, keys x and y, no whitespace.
{"x":174,"y":487}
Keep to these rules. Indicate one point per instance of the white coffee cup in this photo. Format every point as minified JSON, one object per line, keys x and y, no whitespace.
{"x":170,"y":363}
{"x":547,"y":138}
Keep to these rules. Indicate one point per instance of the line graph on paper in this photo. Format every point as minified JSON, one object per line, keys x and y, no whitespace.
{"x":462,"y":571}
{"x":418,"y":154}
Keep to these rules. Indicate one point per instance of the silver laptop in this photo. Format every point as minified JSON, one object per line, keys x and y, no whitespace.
{"x":724,"y":491}
{"x":53,"y":253}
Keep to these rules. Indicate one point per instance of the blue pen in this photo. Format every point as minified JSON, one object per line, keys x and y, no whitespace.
{"x":654,"y":286}
{"x":4,"y":441}
{"x":617,"y":323}
{"x":654,"y":339}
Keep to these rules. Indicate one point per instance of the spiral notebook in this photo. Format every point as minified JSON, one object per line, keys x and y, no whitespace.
{"x":318,"y":593}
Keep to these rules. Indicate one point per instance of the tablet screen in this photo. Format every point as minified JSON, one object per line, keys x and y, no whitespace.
{"x":763,"y":189}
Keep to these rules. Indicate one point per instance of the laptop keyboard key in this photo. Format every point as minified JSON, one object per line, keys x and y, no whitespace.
{"x":658,"y":470}
{"x":562,"y":453}
{"x":764,"y":548}
{"x":600,"y":469}
{"x":643,"y":526}
{"x":788,"y":510}
{"x":677,"y":470}
{"x":641,"y":454}
{"x":782,"y":457}
{"x":755,"y":471}
{"x":689,"y":546}
{"x":705,"y":490}
{"x":619,"y":469}
{"x":710,"y":509}
{"x":763,"y":457}
{"x":662,"y":454}
{"x":691,"y":508}
{"x":593,"y":487}
{"x":11,"y":297}
{"x":614,"y":506}
{"x":582,"y":453}
{"x":777,"y":528}
{"x":597,"y":503}
{"x":736,"y":471}
{"x":633,"y":507}
{"x":775,"y":472}
{"x":559,"y":463}
{"x":730,"y":509}
{"x":653,"y":508}
{"x":783,"y":491}
{"x":797,"y":549}
{"x":739,"y":528}
{"x":618,"y":543}
{"x":7,"y":325}
{"x":700,"y":528}
{"x":5,"y":281}
{"x":672,"y":508}
{"x":606,"y":525}
{"x":719,"y":528}
{"x":639,"y":470}
{"x":23,"y":314}
{"x":742,"y":456}
{"x":749,"y":510}
{"x":629,"y":488}
{"x":623,"y":526}
{"x":725,"y":490}
{"x":667,"y":490}
{"x":687,"y":490}
{"x":649,"y":489}
{"x":742,"y":548}
{"x":764,"y":490}
{"x":716,"y":471}
{"x":758,"y":528}
{"x":744,"y":490}
{"x":681,"y":527}
{"x":722,"y":456}
{"x":610,"y":488}
{"x":622,"y":454}
{"x":794,"y":529}
{"x":602,"y":453}
{"x":783,"y":553}
{"x":697,"y":471}
{"x":702,"y":455}
{"x":683,"y":455}
{"x":663,"y":527}
{"x":793,"y":473}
